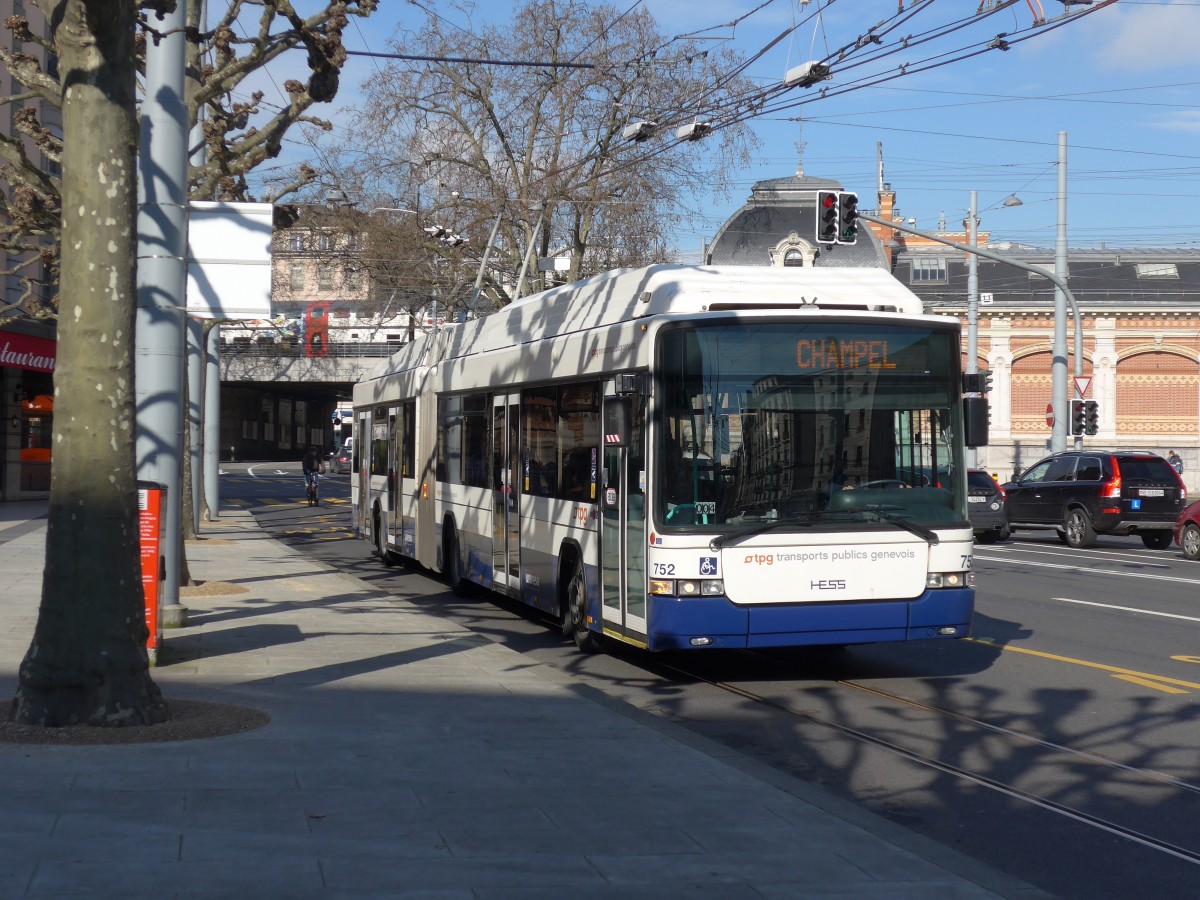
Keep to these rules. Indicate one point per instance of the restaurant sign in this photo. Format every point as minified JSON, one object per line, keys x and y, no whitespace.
{"x":22,"y":351}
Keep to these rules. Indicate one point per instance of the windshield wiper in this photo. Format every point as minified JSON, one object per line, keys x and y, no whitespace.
{"x":879,"y":512}
{"x":751,"y":530}
{"x":884,"y":513}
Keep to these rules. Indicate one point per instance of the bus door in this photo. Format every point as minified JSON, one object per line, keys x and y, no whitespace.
{"x":391,"y":514}
{"x":623,"y":517}
{"x":359,"y":471}
{"x":506,"y":548}
{"x":410,"y":485}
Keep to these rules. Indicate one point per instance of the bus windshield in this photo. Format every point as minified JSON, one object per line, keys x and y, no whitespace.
{"x":817,"y":423}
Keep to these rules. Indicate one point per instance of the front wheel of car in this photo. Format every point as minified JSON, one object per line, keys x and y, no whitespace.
{"x":1156,"y":540}
{"x":1078,"y":530}
{"x":1190,"y":541}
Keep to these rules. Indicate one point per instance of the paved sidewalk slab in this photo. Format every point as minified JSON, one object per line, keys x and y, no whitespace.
{"x":409,"y":757}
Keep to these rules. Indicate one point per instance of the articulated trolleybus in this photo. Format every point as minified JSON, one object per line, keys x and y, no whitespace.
{"x":682,"y":457}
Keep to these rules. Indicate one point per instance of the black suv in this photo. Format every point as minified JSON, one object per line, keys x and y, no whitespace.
{"x":986,"y":507}
{"x":1083,"y":493}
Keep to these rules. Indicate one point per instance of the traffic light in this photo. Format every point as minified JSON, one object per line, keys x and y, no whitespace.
{"x":828,"y":213}
{"x":985,"y":380}
{"x":848,"y":216}
{"x":1091,"y":416}
{"x":1078,"y":417}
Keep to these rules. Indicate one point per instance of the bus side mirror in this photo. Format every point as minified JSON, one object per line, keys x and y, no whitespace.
{"x":975,"y":421}
{"x":618,"y":421}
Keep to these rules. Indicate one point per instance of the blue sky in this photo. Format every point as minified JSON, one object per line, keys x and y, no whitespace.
{"x":1123,"y":83}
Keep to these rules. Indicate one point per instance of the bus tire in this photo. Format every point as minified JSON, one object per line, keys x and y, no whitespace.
{"x":575,"y":610}
{"x":380,"y":539}
{"x":452,"y":565}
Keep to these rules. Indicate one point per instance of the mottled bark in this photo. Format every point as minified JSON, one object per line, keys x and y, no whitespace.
{"x":87,"y":662}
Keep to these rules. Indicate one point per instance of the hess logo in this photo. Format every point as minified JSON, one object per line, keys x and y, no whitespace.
{"x":828,"y":584}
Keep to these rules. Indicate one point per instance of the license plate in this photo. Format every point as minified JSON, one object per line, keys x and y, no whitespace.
{"x":1151,"y":492}
{"x":977,"y":499}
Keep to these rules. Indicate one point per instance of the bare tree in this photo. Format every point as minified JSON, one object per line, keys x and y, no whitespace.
{"x":239,"y":135}
{"x":478,"y":139}
{"x":87,"y":660}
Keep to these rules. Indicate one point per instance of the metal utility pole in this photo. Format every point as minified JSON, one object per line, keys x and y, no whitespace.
{"x":161,"y":282}
{"x":212,"y":423}
{"x":973,"y":297}
{"x":1062,"y":403}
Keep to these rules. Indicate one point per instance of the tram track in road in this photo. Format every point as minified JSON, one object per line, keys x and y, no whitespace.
{"x":1116,"y":768}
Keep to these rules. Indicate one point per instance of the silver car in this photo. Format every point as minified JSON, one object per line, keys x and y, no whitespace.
{"x":343,"y":460}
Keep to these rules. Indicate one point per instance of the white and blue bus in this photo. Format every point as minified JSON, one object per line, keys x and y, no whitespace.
{"x":681,"y":457}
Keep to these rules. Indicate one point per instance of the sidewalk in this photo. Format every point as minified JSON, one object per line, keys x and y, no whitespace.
{"x":407,"y":756}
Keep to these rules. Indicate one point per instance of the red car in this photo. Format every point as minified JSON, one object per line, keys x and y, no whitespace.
{"x":1187,"y":530}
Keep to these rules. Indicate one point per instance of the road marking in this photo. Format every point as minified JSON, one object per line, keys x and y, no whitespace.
{"x":1131,"y":555}
{"x":1150,"y":684}
{"x":1154,"y":681}
{"x":1132,"y":609}
{"x":1080,"y":568}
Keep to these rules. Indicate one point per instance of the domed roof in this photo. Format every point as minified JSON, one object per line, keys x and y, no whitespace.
{"x":782,"y":211}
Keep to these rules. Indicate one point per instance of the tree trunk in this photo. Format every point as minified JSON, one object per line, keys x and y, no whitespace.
{"x":87,"y":662}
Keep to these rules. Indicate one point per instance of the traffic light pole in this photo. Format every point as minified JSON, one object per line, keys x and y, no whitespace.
{"x":1058,"y":438}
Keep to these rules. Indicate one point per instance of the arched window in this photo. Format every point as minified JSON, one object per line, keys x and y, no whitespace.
{"x":793,"y":258}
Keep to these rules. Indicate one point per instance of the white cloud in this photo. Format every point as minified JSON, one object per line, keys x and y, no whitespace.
{"x":1145,"y":37}
{"x":1186,"y":121}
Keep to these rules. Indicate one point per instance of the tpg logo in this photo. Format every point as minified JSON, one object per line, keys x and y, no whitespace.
{"x":759,"y":559}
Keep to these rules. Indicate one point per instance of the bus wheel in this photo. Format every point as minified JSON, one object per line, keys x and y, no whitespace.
{"x":380,"y":539}
{"x":452,"y":563}
{"x":575,"y":612}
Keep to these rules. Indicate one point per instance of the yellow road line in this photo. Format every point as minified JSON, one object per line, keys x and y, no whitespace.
{"x":1127,"y":674}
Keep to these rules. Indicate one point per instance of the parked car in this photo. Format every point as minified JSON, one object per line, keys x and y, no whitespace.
{"x":343,"y":460}
{"x":1187,"y":530}
{"x":987,"y":507}
{"x":1083,"y":493}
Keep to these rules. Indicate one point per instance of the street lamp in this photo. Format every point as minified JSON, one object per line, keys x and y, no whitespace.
{"x":1012,"y":200}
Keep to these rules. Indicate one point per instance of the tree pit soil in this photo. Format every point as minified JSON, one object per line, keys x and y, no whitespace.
{"x":190,"y":720}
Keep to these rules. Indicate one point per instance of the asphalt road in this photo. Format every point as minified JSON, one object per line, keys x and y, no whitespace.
{"x":1057,"y":743}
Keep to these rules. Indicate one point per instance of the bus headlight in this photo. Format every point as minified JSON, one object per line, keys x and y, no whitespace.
{"x":709,"y":587}
{"x":937,"y":580}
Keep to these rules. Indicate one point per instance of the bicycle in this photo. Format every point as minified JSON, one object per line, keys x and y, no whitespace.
{"x":313,"y":491}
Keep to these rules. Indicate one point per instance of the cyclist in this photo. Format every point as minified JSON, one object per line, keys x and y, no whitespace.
{"x":313,"y":465}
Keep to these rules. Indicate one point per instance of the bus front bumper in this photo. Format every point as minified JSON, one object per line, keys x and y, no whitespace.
{"x":714,"y":622}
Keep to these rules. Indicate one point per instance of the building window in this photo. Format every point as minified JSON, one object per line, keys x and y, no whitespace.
{"x":354,"y":279}
{"x":928,"y":269}
{"x":325,"y":278}
{"x":793,"y":258}
{"x":1157,"y":270}
{"x":354,"y":242}
{"x":296,"y":277}
{"x":327,"y":242}
{"x":296,"y":241}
